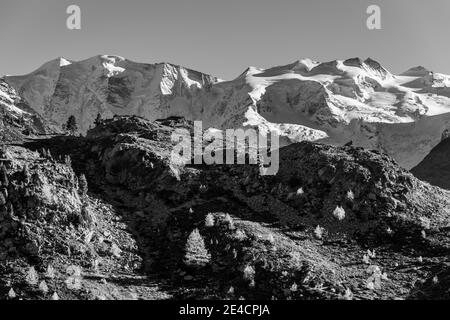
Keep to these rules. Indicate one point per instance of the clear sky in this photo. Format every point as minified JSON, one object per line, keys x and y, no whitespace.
{"x":223,"y":37}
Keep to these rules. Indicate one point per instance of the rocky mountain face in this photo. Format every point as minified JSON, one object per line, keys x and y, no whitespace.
{"x":334,"y":223}
{"x":333,"y":102}
{"x":17,"y":118}
{"x":108,"y":85}
{"x":55,"y":238}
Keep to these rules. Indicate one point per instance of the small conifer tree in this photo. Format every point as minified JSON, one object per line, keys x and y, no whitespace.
{"x":2,"y":199}
{"x":26,"y":173}
{"x":98,"y":119}
{"x":72,"y":125}
{"x":339,"y":213}
{"x":209,"y":220}
{"x":68,"y":160}
{"x":32,"y":277}
{"x":4,"y":182}
{"x":83,"y":185}
{"x":196,"y":254}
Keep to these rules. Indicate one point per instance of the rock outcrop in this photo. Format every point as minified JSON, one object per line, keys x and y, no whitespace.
{"x":334,"y":223}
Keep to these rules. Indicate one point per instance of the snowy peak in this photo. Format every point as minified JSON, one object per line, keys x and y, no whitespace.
{"x":423,"y":80}
{"x":64,"y":62}
{"x":376,"y":67}
{"x":353,"y":100}
{"x":372,"y":67}
{"x":105,"y":84}
{"x":350,"y":68}
{"x":354,"y":62}
{"x":302,"y":67}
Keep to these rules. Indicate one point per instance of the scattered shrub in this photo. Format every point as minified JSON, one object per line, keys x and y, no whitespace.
{"x":294,"y":287}
{"x":230,"y":290}
{"x":50,"y":273}
{"x":350,"y":195}
{"x":319,"y":232}
{"x":73,"y":282}
{"x":425,"y":223}
{"x":43,"y":287}
{"x":115,"y":250}
{"x":249,"y":275}
{"x":348,"y":294}
{"x":240,"y":235}
{"x":366,"y":259}
{"x":374,"y":281}
{"x":228,"y":220}
{"x":372,"y":254}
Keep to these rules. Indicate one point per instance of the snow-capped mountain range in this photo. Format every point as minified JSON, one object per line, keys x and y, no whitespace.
{"x":332,"y":102}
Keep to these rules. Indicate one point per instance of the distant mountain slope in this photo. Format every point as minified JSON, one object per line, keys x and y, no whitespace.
{"x":333,"y":102}
{"x":17,"y":118}
{"x":107,"y":85}
{"x":435,"y":168}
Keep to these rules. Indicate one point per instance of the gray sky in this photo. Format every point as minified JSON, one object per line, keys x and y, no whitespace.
{"x":223,"y":37}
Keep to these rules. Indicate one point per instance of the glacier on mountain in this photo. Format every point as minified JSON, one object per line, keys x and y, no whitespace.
{"x":332,"y":102}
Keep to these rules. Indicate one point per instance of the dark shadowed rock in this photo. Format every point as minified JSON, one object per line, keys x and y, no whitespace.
{"x":435,"y":168}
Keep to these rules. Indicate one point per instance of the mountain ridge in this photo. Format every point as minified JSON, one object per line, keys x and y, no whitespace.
{"x":333,"y":102}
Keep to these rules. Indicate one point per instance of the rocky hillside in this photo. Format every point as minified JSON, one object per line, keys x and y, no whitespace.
{"x":57,"y":242}
{"x":334,"y":223}
{"x":336,"y":102}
